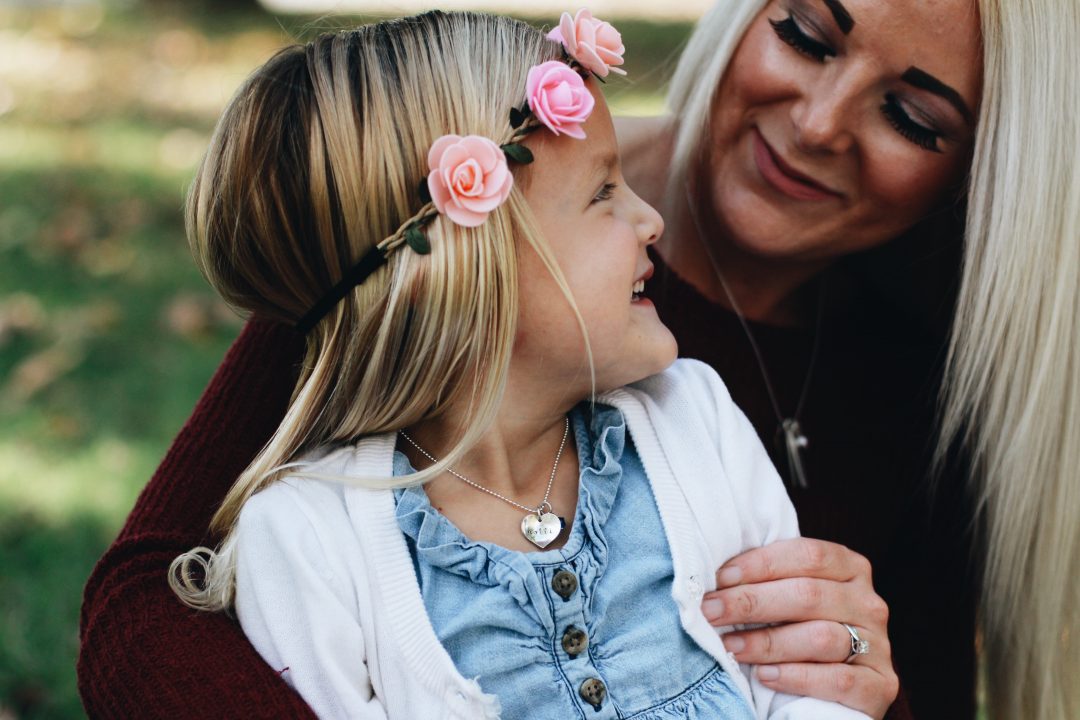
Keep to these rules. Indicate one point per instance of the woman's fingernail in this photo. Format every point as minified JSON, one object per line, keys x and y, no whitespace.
{"x":768,"y":673}
{"x":713,"y":608}
{"x":729,"y":576}
{"x":734,"y":643}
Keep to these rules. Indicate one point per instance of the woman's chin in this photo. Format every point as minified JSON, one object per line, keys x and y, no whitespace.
{"x":773,"y":230}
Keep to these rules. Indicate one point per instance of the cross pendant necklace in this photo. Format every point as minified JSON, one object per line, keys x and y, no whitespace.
{"x":794,"y":440}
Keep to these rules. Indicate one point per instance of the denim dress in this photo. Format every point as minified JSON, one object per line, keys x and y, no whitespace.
{"x":589,"y":630}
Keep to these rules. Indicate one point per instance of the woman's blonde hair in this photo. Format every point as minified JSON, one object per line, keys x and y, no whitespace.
{"x":317,"y":158}
{"x":1012,"y":392}
{"x":1012,"y":383}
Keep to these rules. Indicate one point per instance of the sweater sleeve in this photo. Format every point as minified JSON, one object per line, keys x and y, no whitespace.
{"x":767,"y":514}
{"x":295,"y":600}
{"x":143,"y":654}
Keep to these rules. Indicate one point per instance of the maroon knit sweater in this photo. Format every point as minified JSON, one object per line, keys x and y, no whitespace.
{"x":869,"y":414}
{"x":145,"y":655}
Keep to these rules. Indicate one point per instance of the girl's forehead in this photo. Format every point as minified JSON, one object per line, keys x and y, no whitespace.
{"x":564,"y":163}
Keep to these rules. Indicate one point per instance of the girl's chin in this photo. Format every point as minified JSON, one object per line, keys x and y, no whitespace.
{"x":660,"y":357}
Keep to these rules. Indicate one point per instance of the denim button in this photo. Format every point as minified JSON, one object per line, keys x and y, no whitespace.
{"x":574,"y":641}
{"x":564,"y":583}
{"x":593,"y":692}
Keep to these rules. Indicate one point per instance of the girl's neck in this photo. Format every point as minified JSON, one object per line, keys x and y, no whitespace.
{"x":515,"y":456}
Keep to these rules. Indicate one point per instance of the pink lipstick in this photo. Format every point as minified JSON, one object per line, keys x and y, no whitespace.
{"x":784,"y":178}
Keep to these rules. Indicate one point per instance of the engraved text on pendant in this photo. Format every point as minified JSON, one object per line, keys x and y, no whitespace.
{"x":540,"y":531}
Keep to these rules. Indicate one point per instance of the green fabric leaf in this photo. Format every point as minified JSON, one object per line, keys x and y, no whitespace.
{"x":416,"y":239}
{"x":425,"y":193}
{"x":517,"y":153}
{"x":518,"y":116}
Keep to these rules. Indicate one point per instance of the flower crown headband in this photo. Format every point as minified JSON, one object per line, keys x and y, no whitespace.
{"x":469,"y":176}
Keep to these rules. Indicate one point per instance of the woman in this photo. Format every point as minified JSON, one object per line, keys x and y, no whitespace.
{"x":801,"y":139}
{"x":1011,"y":386}
{"x":837,"y":126}
{"x":808,"y":132}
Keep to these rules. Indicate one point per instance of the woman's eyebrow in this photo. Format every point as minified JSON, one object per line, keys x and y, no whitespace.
{"x":925,"y":81}
{"x":843,"y":18}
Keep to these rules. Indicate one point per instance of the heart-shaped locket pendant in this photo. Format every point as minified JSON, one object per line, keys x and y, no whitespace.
{"x":541,"y":530}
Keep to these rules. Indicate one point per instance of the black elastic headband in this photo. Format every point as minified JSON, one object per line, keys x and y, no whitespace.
{"x":373,"y":260}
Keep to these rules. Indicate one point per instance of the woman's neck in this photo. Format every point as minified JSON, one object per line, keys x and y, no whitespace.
{"x":763,"y":289}
{"x":773,"y":291}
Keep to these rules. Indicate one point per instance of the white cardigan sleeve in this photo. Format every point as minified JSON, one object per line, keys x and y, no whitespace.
{"x":766,"y":513}
{"x":296,"y":608}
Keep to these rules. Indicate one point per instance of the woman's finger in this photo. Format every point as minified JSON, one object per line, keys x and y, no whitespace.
{"x":797,"y":557}
{"x":863,"y":688}
{"x":795,"y":600}
{"x":818,"y":641}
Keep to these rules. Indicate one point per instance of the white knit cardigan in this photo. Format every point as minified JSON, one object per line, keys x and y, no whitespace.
{"x":327,"y":593}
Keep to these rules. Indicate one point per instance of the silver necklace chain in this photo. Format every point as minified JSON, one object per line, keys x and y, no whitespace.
{"x":539,"y":509}
{"x":793,"y":435}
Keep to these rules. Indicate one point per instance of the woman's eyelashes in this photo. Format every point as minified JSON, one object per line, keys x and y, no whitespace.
{"x":919,"y":134}
{"x":789,"y":31}
{"x":605,"y":193}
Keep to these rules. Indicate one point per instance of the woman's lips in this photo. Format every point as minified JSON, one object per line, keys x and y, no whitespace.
{"x":783,"y":177}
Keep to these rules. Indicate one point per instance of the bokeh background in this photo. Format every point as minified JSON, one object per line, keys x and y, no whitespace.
{"x":107,"y":331}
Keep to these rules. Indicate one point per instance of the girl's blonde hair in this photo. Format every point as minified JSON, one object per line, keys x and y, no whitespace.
{"x":317,"y":158}
{"x":1012,"y":385}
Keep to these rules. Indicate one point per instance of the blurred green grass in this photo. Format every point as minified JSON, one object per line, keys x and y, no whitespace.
{"x":107,"y":332}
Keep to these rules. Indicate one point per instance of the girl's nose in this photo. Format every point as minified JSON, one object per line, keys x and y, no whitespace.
{"x":650,"y":226}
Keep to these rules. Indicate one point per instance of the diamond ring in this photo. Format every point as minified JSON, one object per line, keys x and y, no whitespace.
{"x":858,"y":645}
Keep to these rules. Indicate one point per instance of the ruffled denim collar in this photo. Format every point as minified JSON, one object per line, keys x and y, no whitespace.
{"x":601,"y":438}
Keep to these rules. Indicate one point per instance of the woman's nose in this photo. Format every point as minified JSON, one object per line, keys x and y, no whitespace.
{"x":821,"y":119}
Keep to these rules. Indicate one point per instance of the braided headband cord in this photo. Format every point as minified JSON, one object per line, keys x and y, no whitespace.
{"x":409,"y":233}
{"x":373,"y":260}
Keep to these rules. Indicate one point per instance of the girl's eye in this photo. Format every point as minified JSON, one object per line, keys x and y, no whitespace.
{"x":921,"y":135}
{"x":789,"y":31}
{"x":605,"y":193}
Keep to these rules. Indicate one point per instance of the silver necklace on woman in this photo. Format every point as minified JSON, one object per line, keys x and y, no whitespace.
{"x":540,"y":526}
{"x":795,"y":440}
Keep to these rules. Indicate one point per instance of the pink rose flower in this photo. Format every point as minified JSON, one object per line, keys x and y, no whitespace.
{"x":558,"y":98}
{"x":593,"y":43}
{"x":469,"y":178}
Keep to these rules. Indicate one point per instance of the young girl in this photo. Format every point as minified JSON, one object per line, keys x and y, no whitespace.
{"x":493,"y":493}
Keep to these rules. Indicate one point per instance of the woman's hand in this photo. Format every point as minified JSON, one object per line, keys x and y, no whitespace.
{"x":812,"y":587}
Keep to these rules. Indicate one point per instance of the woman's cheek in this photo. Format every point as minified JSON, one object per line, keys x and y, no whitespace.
{"x":904,"y":183}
